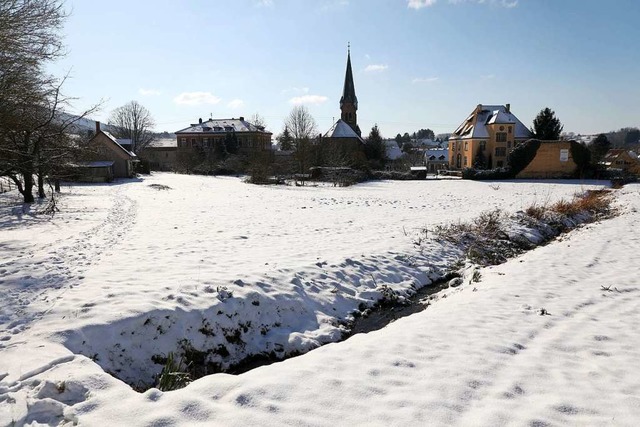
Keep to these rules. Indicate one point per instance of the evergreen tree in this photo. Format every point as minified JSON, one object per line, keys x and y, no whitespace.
{"x":632,"y":136}
{"x":230,"y":146}
{"x":398,"y":140}
{"x":546,"y":126}
{"x":374,"y":145}
{"x":285,"y":140}
{"x":426,"y":133}
{"x":599,"y":147}
{"x":480,"y":161}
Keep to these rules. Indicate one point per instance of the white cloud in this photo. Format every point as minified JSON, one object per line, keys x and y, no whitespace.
{"x":148,"y":92}
{"x":424,"y":80}
{"x":235,"y":104}
{"x":308,"y":99}
{"x":264,"y":3}
{"x":376,"y":68}
{"x":196,"y":98}
{"x":419,"y":4}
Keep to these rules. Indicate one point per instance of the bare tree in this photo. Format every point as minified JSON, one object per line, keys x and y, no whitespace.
{"x":33,"y":139}
{"x":300,"y":124}
{"x":257,"y":120}
{"x":134,"y":121}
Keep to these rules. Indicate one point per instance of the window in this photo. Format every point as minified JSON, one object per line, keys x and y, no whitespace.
{"x":510,"y":129}
{"x":501,"y":128}
{"x":465,"y":160}
{"x":501,"y":151}
{"x":483,"y":145}
{"x":466,"y":148}
{"x":508,"y":144}
{"x":193,"y":142}
{"x":501,"y":137}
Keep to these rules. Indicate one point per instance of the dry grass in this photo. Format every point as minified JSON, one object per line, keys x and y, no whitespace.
{"x":594,"y":202}
{"x":486,"y":243}
{"x":536,"y":211}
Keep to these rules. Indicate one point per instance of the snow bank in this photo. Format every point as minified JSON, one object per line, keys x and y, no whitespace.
{"x":193,"y":261}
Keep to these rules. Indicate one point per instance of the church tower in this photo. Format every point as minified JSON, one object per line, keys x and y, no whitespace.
{"x":348,"y":101}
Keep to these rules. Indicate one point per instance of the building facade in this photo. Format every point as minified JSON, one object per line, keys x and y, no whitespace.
{"x":625,"y":160}
{"x":485,"y":138}
{"x":104,"y":147}
{"x":207,"y":134}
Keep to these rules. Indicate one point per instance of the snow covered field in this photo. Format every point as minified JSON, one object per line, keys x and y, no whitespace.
{"x":127,"y":271}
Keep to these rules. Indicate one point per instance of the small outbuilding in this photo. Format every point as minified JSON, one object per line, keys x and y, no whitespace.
{"x":104,"y":147}
{"x":94,"y":171}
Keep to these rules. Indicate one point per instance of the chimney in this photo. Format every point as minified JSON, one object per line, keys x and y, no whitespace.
{"x":241,"y":119}
{"x":200,"y":120}
{"x":508,"y":108}
{"x":97,"y":127}
{"x":479,"y":108}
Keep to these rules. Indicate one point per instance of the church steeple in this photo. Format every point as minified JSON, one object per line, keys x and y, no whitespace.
{"x":349,"y":101}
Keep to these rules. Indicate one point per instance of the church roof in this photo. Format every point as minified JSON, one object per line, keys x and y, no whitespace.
{"x":349,"y":90}
{"x":341,"y":129}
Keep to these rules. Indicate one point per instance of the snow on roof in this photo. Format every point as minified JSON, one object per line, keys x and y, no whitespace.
{"x":163,"y":143}
{"x":99,"y":164}
{"x":115,"y":141}
{"x":342,"y":129}
{"x":475,"y":126}
{"x":437,"y":154}
{"x":392,"y":150}
{"x":223,"y":125}
{"x":615,"y":152}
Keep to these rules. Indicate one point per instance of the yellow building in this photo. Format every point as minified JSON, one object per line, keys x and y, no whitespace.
{"x":485,"y":138}
{"x":622,"y":159}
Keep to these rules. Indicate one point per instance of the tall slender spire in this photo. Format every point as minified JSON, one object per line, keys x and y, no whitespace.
{"x":349,"y":90}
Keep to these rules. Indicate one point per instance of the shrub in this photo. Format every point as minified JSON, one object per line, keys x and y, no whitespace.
{"x":392,"y":175}
{"x":523,"y":154}
{"x":582,"y":158}
{"x":480,"y":175}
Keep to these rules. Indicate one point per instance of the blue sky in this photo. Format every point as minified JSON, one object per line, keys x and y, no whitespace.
{"x":417,"y":63}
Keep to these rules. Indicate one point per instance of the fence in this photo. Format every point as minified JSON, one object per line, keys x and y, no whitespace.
{"x":6,"y":184}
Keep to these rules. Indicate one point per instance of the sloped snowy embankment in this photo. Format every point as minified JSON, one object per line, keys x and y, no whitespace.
{"x":293,"y":262}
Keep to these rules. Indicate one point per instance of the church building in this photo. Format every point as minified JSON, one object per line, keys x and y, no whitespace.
{"x":344,"y":137}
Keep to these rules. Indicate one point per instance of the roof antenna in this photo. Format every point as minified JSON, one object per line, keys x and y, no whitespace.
{"x":348,"y":48}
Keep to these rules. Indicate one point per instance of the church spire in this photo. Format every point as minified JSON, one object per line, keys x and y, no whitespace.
{"x":349,"y":101}
{"x":349,"y":90}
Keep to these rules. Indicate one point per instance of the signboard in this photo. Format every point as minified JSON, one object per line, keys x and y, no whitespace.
{"x":564,"y":155}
